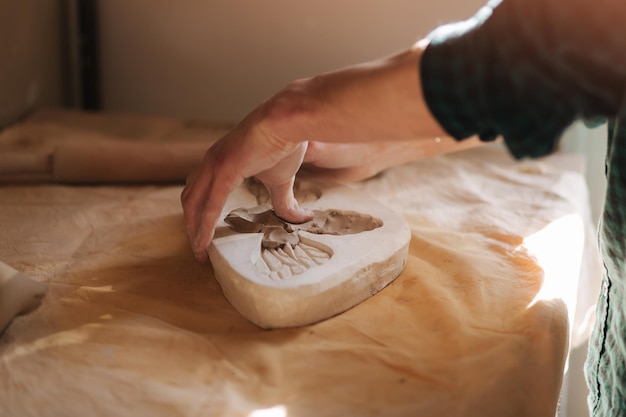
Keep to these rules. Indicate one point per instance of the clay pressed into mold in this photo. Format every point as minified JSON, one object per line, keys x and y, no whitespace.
{"x":284,"y":253}
{"x":279,"y":274}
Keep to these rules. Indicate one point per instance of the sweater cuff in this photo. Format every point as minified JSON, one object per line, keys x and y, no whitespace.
{"x":452,"y":79}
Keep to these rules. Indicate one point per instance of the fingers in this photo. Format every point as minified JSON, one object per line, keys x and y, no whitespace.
{"x":243,"y":153}
{"x":207,"y":189}
{"x":279,"y":181}
{"x":189,"y":200}
{"x":210,"y":213}
{"x":285,"y":204}
{"x":203,"y":198}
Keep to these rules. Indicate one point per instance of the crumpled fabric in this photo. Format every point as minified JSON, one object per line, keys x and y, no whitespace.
{"x":478,"y":323}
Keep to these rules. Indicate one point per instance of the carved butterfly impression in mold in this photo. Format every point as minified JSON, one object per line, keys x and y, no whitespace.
{"x":278,"y":274}
{"x":284,"y":251}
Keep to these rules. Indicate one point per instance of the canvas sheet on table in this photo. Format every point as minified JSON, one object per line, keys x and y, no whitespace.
{"x":132,"y":325}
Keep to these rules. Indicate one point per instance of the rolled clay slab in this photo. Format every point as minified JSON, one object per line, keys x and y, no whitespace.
{"x":278,"y":274}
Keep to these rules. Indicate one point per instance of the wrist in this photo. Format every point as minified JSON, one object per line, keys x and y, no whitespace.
{"x":286,"y":114}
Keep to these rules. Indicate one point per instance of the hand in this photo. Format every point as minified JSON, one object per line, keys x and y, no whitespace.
{"x":248,"y":150}
{"x":376,"y":103}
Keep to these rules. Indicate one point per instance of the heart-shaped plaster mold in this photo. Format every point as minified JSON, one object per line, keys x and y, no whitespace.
{"x":279,"y":274}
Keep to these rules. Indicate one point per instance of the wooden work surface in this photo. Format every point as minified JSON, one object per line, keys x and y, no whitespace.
{"x":132,"y":325}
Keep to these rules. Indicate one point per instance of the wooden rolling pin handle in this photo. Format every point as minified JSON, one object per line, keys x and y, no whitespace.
{"x":117,"y":161}
{"x":24,"y":163}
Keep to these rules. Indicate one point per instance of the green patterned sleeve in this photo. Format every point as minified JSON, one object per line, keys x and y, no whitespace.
{"x":526,"y":69}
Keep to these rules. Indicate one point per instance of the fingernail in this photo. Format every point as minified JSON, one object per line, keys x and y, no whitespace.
{"x":201,"y":256}
{"x":308,"y":213}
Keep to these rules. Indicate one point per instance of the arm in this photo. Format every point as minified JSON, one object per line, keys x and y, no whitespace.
{"x":526,"y":69}
{"x":378,"y":103}
{"x":521,"y":69}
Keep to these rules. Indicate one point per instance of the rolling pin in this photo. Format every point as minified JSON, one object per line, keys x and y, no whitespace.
{"x":105,"y":161}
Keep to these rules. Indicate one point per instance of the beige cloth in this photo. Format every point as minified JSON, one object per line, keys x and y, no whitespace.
{"x":19,"y":294}
{"x":132,"y":325}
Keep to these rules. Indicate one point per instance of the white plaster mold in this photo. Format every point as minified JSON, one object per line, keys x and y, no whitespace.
{"x":278,"y":274}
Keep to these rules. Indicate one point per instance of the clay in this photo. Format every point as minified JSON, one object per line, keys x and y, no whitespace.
{"x":19,"y":294}
{"x":279,"y":274}
{"x":283,"y":253}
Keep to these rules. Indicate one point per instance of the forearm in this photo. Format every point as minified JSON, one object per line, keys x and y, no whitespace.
{"x":372,"y":102}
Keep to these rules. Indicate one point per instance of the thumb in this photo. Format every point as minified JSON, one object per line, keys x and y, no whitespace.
{"x":279,"y":181}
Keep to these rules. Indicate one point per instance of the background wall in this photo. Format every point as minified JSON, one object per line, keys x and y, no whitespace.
{"x":214,"y":60}
{"x":591,"y":143}
{"x":32,"y":51}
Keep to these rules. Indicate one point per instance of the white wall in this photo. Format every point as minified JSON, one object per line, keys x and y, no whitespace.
{"x":593,"y":144}
{"x":31,"y":51}
{"x":216,"y":59}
